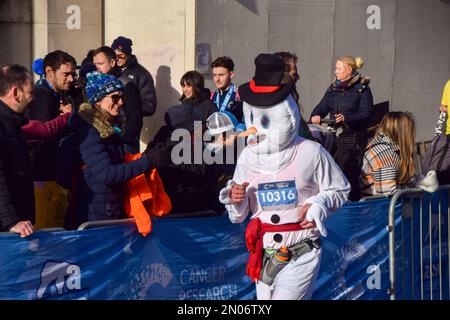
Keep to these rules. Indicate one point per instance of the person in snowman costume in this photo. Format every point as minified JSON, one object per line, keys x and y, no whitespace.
{"x":289,"y":184}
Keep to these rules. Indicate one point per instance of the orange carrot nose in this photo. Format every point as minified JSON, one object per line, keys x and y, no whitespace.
{"x":247,"y":133}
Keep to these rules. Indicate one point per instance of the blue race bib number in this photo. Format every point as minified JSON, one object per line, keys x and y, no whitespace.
{"x":277,"y":195}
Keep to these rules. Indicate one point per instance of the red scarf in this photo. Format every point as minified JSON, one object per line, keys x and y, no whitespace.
{"x":254,"y":240}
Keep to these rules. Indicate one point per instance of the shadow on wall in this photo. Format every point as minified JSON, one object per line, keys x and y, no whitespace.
{"x":250,"y":5}
{"x":167,"y":96}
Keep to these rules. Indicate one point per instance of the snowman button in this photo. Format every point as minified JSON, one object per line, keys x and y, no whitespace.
{"x":278,"y":238}
{"x":275,"y":219}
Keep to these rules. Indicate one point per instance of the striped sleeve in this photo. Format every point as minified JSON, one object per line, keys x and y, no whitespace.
{"x":385,"y":180}
{"x":380,"y":172}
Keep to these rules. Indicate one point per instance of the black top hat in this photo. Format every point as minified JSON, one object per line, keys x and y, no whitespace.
{"x":266,"y":89}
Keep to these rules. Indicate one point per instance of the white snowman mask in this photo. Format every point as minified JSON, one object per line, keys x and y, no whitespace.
{"x":276,"y":126}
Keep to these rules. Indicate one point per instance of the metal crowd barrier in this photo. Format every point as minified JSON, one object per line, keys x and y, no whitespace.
{"x":403,"y":266}
{"x":50,"y":229}
{"x":369,"y":198}
{"x":198,"y":214}
{"x":40,"y":230}
{"x":106,"y":223}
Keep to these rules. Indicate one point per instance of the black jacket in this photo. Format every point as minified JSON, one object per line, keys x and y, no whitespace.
{"x":137,"y":74}
{"x":205,"y":106}
{"x":192,"y":187}
{"x":44,"y":107}
{"x":133,"y":113}
{"x":16,"y":180}
{"x":354,"y":100}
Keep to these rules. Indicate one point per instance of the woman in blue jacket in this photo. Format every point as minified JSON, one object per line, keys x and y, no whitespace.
{"x":349,"y":102}
{"x":98,"y":186}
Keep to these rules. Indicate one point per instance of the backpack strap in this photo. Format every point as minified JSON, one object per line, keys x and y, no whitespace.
{"x":441,"y":160}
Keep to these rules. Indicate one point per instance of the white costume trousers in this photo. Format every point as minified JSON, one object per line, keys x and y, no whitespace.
{"x":295,"y":281}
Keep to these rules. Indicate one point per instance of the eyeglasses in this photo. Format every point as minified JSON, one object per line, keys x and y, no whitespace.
{"x":116,"y":98}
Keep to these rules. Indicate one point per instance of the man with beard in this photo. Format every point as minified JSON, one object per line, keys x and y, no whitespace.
{"x":48,"y":97}
{"x":16,"y":184}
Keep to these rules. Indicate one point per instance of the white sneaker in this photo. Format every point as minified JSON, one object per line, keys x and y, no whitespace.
{"x":429,"y":183}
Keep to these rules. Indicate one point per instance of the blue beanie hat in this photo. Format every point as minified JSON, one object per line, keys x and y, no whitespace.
{"x":122,"y":44}
{"x":100,"y":85}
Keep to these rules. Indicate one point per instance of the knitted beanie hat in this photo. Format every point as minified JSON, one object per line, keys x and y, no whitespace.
{"x":100,"y":85}
{"x":122,"y":44}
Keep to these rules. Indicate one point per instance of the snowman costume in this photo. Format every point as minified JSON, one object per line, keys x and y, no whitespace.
{"x":284,"y":172}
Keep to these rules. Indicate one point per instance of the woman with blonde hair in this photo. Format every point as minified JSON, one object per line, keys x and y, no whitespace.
{"x":388,"y":160}
{"x":349,"y":102}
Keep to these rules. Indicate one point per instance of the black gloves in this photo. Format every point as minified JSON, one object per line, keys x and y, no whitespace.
{"x":158,"y":154}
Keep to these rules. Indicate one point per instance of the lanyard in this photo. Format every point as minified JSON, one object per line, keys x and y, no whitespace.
{"x":225,"y":102}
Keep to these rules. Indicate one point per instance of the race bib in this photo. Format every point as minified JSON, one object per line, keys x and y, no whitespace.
{"x":277,"y":195}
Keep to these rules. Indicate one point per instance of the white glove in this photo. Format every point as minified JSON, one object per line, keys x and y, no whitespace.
{"x":316,"y":214}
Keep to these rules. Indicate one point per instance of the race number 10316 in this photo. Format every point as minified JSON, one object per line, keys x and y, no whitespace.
{"x":277,"y":195}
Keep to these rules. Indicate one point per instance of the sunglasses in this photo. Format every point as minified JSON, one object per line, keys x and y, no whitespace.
{"x":116,"y":98}
{"x":121,"y":56}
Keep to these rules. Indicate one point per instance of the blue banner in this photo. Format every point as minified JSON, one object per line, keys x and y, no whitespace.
{"x":195,"y":259}
{"x":205,"y":259}
{"x":355,"y":257}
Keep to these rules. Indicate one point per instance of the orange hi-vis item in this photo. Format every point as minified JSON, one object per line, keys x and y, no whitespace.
{"x":145,"y":197}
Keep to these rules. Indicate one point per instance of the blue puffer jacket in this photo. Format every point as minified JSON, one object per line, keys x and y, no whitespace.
{"x":100,"y":187}
{"x":354,"y":100}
